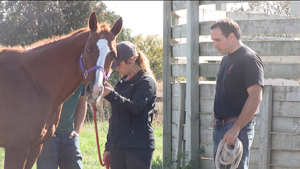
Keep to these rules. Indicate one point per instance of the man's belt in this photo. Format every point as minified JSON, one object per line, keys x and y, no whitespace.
{"x":222,"y":122}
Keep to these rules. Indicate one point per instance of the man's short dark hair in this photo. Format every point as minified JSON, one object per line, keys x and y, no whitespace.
{"x":227,"y":26}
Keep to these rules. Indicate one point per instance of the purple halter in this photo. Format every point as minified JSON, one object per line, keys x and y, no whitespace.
{"x":86,"y":72}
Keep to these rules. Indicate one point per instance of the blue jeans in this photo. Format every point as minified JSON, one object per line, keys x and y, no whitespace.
{"x":60,"y":151}
{"x":246,"y":136}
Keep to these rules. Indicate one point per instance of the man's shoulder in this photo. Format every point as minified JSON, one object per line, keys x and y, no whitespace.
{"x":249,"y":52}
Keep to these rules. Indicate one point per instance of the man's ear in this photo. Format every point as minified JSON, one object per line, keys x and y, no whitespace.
{"x":231,"y":36}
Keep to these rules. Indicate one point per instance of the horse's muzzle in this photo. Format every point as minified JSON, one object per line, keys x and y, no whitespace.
{"x":93,"y":93}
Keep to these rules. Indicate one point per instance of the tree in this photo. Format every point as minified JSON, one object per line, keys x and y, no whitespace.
{"x":152,"y":46}
{"x":270,"y":7}
{"x":25,"y":22}
{"x":265,"y":7}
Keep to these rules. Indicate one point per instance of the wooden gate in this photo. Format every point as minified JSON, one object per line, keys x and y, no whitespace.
{"x":187,"y":105}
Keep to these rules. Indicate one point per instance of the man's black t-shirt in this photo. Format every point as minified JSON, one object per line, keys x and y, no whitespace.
{"x":238,"y":71}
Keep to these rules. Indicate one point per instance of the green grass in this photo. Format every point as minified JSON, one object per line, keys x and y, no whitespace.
{"x":89,"y":150}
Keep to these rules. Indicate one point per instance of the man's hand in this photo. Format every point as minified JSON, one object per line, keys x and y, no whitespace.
{"x":212,"y":121}
{"x":230,"y":136}
{"x":73,"y":133}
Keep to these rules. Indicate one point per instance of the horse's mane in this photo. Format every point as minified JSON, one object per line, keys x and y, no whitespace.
{"x":44,"y":41}
{"x":102,"y":26}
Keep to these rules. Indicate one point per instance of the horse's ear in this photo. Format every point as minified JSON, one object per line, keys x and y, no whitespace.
{"x":93,"y":22}
{"x":116,"y":29}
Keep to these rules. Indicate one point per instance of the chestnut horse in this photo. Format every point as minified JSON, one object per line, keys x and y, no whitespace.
{"x":36,"y":81}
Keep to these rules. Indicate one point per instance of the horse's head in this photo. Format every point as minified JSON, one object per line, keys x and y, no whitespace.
{"x":99,"y":53}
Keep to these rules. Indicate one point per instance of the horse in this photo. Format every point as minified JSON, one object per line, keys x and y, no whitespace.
{"x":36,"y":80}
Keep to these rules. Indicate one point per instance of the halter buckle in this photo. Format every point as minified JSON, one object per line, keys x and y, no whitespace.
{"x":85,"y":74}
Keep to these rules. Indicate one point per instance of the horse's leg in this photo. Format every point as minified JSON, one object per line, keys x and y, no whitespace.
{"x":15,"y":156}
{"x":32,"y":156}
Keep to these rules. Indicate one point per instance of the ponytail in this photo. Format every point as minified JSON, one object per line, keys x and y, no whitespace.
{"x":143,"y":61}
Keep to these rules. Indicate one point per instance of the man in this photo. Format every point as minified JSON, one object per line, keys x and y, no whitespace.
{"x":62,"y":150}
{"x":238,"y":90}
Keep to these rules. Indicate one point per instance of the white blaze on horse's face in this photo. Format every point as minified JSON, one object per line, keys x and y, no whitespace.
{"x":103,"y":51}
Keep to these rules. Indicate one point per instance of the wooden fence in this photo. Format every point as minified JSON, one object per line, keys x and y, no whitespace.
{"x":187,"y":106}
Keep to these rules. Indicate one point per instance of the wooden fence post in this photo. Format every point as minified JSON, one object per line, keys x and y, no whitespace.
{"x":265,"y":128}
{"x":192,"y":83}
{"x":167,"y":109}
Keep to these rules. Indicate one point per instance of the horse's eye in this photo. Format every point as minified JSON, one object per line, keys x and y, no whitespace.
{"x":87,"y":50}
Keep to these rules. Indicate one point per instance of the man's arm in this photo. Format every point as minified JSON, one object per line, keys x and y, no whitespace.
{"x":248,"y":111}
{"x":80,"y":116}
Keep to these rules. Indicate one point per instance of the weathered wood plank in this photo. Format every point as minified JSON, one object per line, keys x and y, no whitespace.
{"x":206,"y":90}
{"x":287,"y":93}
{"x":265,"y":128}
{"x":263,"y":48}
{"x":192,"y":84}
{"x":262,"y":27}
{"x":283,"y":141}
{"x":280,"y":70}
{"x":180,"y":120}
{"x":286,"y":109}
{"x":167,"y":127}
{"x":286,"y":125}
{"x":280,"y":59}
{"x":206,"y":104}
{"x":254,"y":16}
{"x":285,"y":158}
{"x":179,"y":5}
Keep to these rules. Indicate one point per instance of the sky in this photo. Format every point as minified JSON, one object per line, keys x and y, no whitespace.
{"x":142,"y":17}
{"x":146,"y":17}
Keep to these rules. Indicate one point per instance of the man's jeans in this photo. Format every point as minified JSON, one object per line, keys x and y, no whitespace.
{"x":246,"y":136}
{"x":60,"y":151}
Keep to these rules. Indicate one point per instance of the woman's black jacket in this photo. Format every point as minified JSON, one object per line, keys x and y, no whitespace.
{"x":132,"y":103}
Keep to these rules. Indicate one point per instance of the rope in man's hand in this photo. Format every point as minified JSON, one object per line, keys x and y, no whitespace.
{"x":228,"y":155}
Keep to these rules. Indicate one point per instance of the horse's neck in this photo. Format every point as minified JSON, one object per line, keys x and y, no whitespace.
{"x":55,"y":67}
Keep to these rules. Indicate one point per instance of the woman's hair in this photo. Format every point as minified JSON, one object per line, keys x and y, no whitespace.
{"x":142,"y":60}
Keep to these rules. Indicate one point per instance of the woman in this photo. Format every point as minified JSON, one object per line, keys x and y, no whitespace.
{"x":130,"y":138}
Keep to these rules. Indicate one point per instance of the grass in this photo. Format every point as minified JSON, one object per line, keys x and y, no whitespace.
{"x":88,"y":144}
{"x":89,"y":150}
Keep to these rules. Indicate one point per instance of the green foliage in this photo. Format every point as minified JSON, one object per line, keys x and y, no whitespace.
{"x":265,"y":7}
{"x":168,"y":163}
{"x":25,"y":22}
{"x":152,"y":46}
{"x":270,"y":7}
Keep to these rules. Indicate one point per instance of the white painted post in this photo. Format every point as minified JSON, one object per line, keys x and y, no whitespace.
{"x":167,"y":109}
{"x":220,"y":6}
{"x":192,"y":83}
{"x":265,"y":128}
{"x":295,"y":6}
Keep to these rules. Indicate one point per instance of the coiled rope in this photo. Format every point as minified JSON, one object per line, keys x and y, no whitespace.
{"x":228,"y":155}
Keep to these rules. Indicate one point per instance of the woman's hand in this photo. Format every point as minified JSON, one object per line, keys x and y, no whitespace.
{"x":107,"y":89}
{"x":105,"y":154}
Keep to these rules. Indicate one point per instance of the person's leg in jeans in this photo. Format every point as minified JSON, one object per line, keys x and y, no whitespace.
{"x":140,"y":158}
{"x":48,"y":159}
{"x":70,"y":155}
{"x":246,"y":136}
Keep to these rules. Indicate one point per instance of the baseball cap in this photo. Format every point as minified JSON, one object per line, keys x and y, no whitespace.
{"x":125,"y":50}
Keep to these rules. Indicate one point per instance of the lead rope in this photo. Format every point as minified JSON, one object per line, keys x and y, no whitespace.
{"x":229,"y":156}
{"x":107,"y":163}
